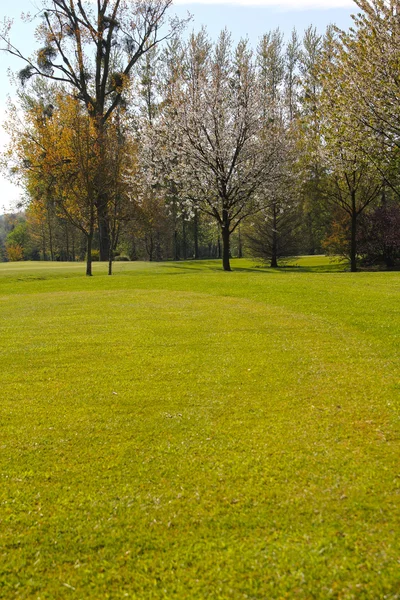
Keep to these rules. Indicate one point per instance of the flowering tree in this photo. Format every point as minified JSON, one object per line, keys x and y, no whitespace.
{"x":221,"y":153}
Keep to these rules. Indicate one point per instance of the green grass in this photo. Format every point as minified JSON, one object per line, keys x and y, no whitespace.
{"x":178,"y":432}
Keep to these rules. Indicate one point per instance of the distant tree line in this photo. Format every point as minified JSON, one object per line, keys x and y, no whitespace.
{"x":144,"y":143}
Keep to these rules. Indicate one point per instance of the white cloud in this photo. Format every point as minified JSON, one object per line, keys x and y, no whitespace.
{"x":278,"y":4}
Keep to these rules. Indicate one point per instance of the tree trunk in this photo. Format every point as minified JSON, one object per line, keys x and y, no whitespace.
{"x":353,"y":247}
{"x":175,"y":245}
{"x":240,"y":249}
{"x":67,"y":242}
{"x":50,"y":237}
{"x":225,"y":242}
{"x":274,"y":248}
{"x":196,"y":236}
{"x":184,"y":240}
{"x":310,"y":234}
{"x":103,"y":220}
{"x":101,"y":201}
{"x":89,"y":255}
{"x":73,"y":245}
{"x":44,"y":242}
{"x":110,"y":262}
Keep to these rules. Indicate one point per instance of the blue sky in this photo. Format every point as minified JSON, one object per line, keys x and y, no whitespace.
{"x":244,"y":18}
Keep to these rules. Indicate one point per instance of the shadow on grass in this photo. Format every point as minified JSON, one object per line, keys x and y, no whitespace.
{"x":302,"y":264}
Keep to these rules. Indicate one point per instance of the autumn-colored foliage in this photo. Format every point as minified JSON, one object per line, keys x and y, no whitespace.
{"x":15,"y":253}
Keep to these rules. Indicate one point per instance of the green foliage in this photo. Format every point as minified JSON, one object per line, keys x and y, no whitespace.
{"x":19,"y":235}
{"x":122,"y":258}
{"x":19,"y":243}
{"x":176,"y":432}
{"x":95,"y":255}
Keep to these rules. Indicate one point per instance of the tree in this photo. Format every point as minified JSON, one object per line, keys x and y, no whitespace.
{"x":368,"y":83}
{"x":354,"y":182}
{"x":222,"y":160}
{"x":92,"y":49}
{"x":292,"y":79}
{"x":54,"y":154}
{"x":268,"y":236}
{"x":308,"y":127}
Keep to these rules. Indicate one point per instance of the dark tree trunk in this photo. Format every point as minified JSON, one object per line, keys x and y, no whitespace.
{"x":50,"y":236}
{"x":44,"y":243}
{"x":353,"y":246}
{"x":158,"y":251}
{"x":226,"y":238}
{"x":73,"y":245}
{"x":175,"y":243}
{"x":274,"y":248}
{"x":89,"y":255}
{"x":101,"y":201}
{"x":184,"y":240}
{"x":67,"y":242}
{"x":150,"y":248}
{"x":240,"y":249}
{"x":103,"y":220}
{"x":196,"y":236}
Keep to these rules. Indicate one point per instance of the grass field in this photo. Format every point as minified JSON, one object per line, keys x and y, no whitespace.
{"x":177,"y":432}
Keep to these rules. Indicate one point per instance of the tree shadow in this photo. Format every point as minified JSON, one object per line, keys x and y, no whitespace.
{"x":300,"y":265}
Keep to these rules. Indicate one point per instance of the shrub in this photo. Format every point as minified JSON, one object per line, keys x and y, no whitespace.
{"x":15,"y":253}
{"x":121,"y":258}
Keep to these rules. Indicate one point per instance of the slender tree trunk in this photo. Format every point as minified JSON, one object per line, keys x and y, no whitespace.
{"x":219,"y":247}
{"x":50,"y":236}
{"x":240,"y":249}
{"x":353,"y":247}
{"x":44,"y":242}
{"x":311,"y":234}
{"x":67,"y":241}
{"x":133,"y":253}
{"x":73,"y":245}
{"x":175,"y":243}
{"x":184,"y":240}
{"x":150,"y":248}
{"x":274,"y":249}
{"x":196,"y":236}
{"x":101,"y":201}
{"x":158,"y":253}
{"x":226,"y":251}
{"x":103,"y":218}
{"x":89,"y":255}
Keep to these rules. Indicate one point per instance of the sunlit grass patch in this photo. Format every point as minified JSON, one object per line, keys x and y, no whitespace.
{"x":179,"y":432}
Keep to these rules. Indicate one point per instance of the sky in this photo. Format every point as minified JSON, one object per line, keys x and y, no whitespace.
{"x":243,"y":18}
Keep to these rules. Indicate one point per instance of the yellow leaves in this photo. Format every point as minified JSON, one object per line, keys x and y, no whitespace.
{"x":15,"y":253}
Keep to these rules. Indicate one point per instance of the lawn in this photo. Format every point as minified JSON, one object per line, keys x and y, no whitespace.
{"x":177,"y":432}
